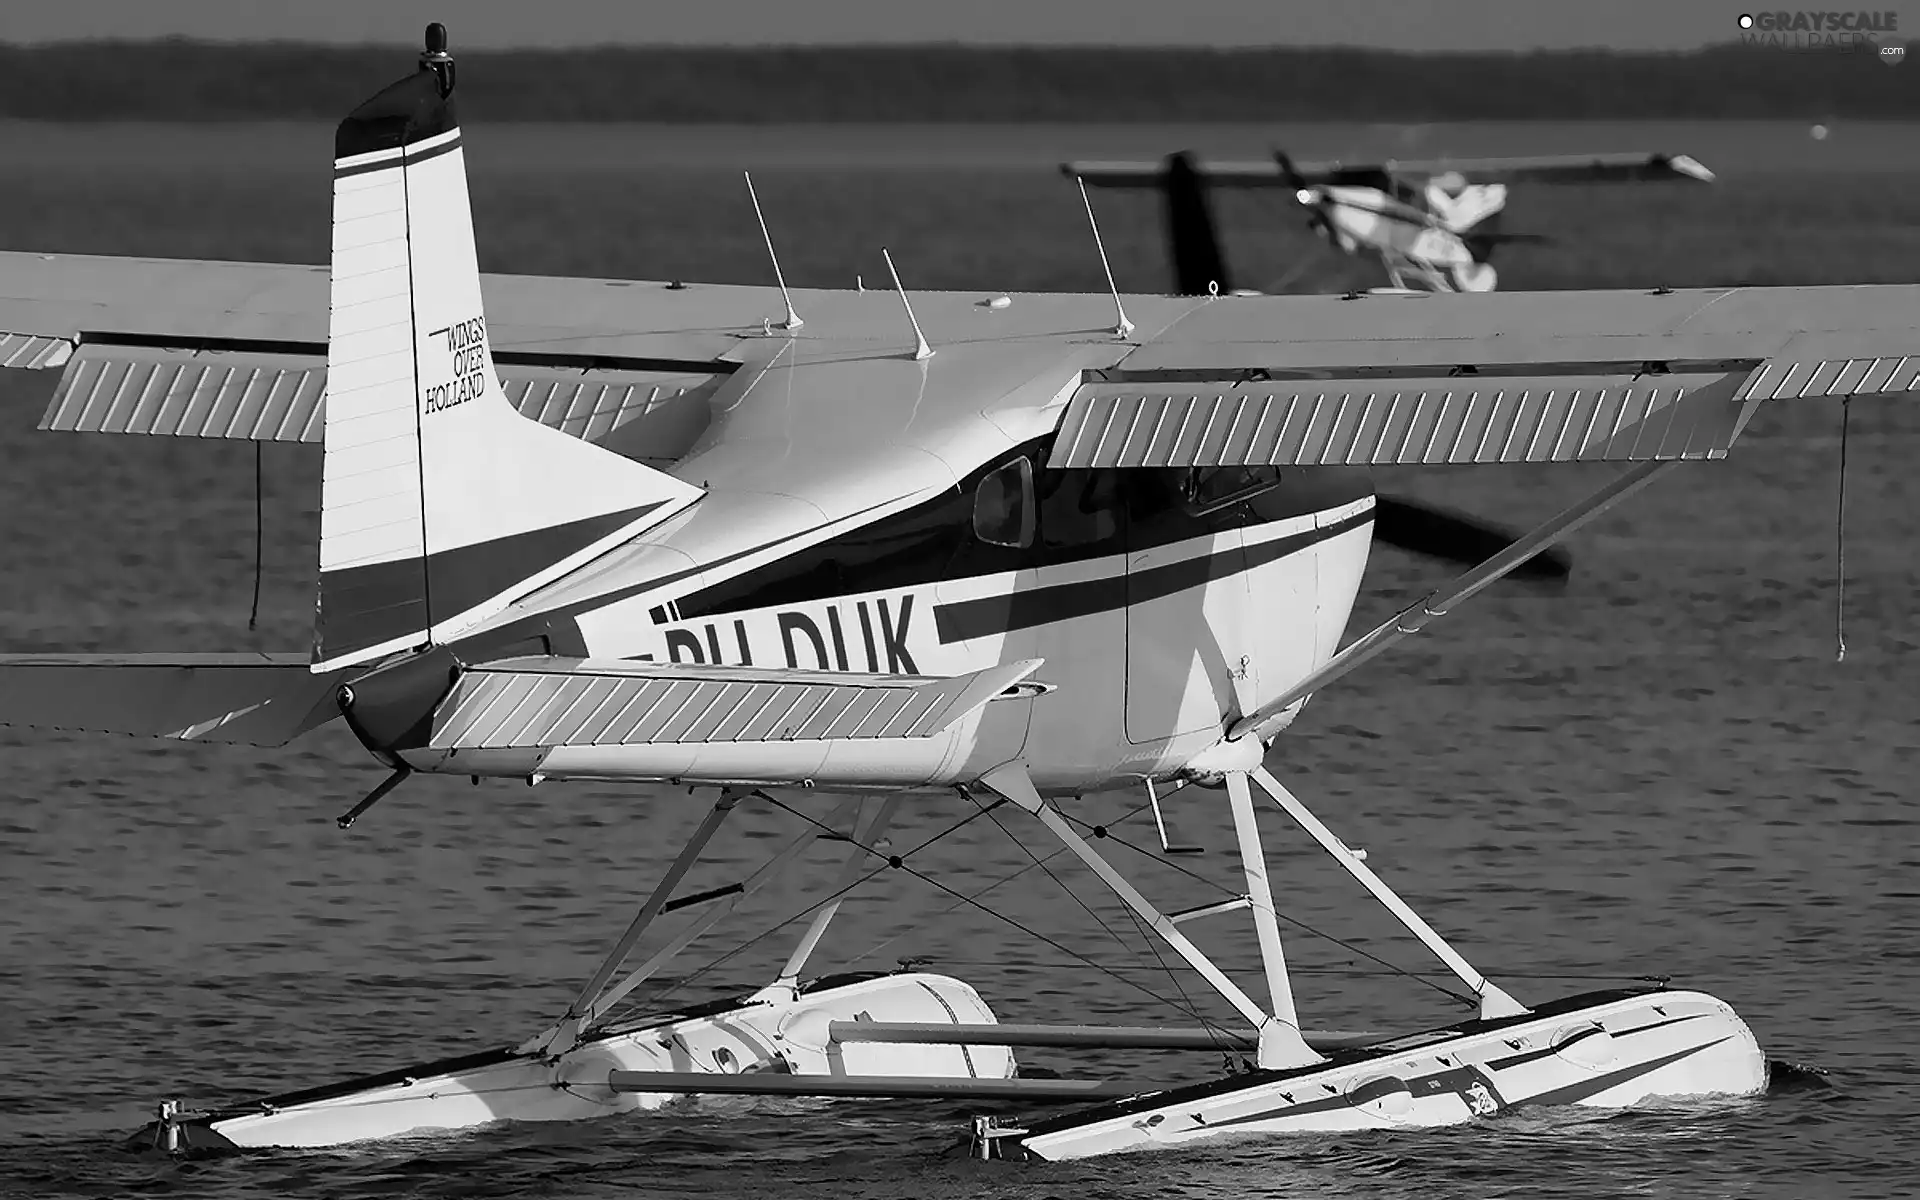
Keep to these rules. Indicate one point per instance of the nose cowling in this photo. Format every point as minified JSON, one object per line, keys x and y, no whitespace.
{"x":391,"y":709}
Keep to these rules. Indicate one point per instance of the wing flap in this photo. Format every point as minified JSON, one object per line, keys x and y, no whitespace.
{"x":32,"y":351}
{"x":256,"y":699}
{"x":1593,"y":418}
{"x":542,"y":703}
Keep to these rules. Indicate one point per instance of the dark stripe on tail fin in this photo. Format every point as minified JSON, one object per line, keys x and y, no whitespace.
{"x":373,"y":604}
{"x":392,"y":161}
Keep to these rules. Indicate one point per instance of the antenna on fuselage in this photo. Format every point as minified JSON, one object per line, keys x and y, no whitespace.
{"x":920,"y":348}
{"x":1122,"y":327}
{"x":793,"y":321}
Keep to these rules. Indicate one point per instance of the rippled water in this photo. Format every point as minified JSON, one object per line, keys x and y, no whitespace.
{"x":1661,"y":771}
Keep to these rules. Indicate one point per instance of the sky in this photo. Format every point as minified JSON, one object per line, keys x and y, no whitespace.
{"x":1452,"y":25}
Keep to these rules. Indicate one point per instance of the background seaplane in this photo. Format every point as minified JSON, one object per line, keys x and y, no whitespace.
{"x":981,"y":551}
{"x":1431,"y":229}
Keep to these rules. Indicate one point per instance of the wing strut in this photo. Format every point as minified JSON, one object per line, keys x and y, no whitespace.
{"x":1280,"y":1042}
{"x":565,"y":1035}
{"x":865,"y":841}
{"x":1438,"y":603}
{"x":773,"y":867}
{"x":1494,"y":1002}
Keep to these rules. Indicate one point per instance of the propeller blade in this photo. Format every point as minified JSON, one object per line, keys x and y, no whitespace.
{"x":1191,"y":235}
{"x":1294,"y":179}
{"x":1314,"y":200}
{"x":1423,"y":528}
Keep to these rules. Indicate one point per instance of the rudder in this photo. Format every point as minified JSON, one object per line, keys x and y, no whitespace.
{"x":440,"y":503}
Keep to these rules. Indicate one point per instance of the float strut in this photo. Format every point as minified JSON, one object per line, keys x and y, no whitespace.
{"x":374,"y":797}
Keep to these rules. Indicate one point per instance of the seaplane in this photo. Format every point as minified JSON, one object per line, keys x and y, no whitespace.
{"x":972,"y":552}
{"x":1431,"y":229}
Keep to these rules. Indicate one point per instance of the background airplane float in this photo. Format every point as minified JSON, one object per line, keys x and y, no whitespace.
{"x":986,"y":554}
{"x":1430,"y":227}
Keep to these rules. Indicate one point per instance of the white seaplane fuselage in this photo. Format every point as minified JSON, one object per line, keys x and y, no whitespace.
{"x":1157,"y":630}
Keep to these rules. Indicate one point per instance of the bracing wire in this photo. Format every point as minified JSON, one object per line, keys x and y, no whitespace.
{"x":1191,"y":1010}
{"x":888,"y":861}
{"x":1002,"y":881}
{"x":986,"y":810}
{"x":1294,"y":921}
{"x":259,"y":536}
{"x":899,"y":862}
{"x":1183,"y":1005}
{"x":1840,"y":541}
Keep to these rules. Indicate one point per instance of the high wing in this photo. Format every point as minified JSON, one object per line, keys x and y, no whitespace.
{"x":817,"y":432}
{"x":1268,"y":173}
{"x":1496,"y":377}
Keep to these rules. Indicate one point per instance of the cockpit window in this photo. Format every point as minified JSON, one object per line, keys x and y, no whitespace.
{"x":1003,"y":506}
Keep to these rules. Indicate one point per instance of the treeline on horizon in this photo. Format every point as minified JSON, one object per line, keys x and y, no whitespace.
{"x":196,"y":81}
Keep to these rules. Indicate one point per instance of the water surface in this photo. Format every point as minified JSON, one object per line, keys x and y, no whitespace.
{"x":1663,"y":771}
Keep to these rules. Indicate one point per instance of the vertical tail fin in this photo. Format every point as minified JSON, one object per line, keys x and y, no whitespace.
{"x":1193,"y":240}
{"x":440,"y":503}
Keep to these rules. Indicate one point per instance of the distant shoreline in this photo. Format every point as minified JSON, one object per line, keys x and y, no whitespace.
{"x":303,"y":146}
{"x":179,"y":81}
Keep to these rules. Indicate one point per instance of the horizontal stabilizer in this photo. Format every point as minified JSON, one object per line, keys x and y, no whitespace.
{"x":257,"y":699}
{"x":537,"y":703}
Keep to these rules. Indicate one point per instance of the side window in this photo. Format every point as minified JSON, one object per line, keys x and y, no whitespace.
{"x":1003,"y":507}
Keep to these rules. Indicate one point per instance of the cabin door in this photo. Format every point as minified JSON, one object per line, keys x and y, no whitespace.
{"x":1189,"y":610}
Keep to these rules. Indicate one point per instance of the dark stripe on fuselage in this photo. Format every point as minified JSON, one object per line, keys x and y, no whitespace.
{"x":378,"y":603}
{"x":655,"y":584}
{"x":1009,"y":611}
{"x":1083,"y":516}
